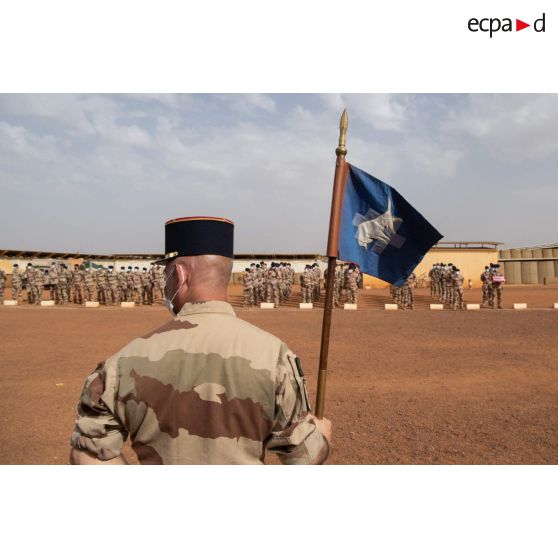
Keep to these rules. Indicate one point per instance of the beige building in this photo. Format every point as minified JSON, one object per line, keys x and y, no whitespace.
{"x":530,"y":266}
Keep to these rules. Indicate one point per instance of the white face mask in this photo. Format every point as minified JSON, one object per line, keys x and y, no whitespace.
{"x":168,"y":302}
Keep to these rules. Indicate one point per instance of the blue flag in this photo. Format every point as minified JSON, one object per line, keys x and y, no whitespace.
{"x":380,"y":231}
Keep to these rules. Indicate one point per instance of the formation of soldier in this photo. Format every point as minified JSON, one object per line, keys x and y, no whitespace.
{"x":404,"y":295}
{"x":492,"y":285}
{"x":446,"y":285}
{"x":267,"y":284}
{"x":348,"y":278}
{"x":79,"y":285}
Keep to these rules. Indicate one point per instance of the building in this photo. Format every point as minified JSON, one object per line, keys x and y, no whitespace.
{"x":534,"y":265}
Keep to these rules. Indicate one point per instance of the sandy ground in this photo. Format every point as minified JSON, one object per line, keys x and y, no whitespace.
{"x":413,"y":387}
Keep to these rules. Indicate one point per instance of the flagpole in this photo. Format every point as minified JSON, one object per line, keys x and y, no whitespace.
{"x":332,"y":254}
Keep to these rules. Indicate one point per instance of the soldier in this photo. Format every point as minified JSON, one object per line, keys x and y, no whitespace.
{"x":255,"y":283}
{"x":130,"y":284}
{"x":307,"y":284}
{"x":69,"y":282}
{"x":273,"y":284}
{"x":248,"y":288}
{"x":351,"y":280}
{"x":205,"y":387}
{"x":30,"y":274}
{"x":39,"y":286}
{"x":160,"y":284}
{"x":145,"y":287}
{"x":62,"y":284}
{"x":122,"y":284}
{"x":485,"y":279}
{"x":137,"y":286}
{"x":408,"y":296}
{"x":89,"y":284}
{"x":77,"y":280}
{"x":3,"y":282}
{"x":101,"y":281}
{"x":317,"y":275}
{"x":262,"y":281}
{"x":112,"y":286}
{"x":497,"y":281}
{"x":16,"y":283}
{"x":457,"y":289}
{"x":53,"y":282}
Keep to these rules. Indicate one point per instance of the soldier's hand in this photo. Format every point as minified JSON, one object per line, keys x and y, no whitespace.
{"x":324,"y":426}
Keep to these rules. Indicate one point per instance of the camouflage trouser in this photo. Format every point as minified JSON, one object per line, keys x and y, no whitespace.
{"x":273,"y":292}
{"x":307,"y":292}
{"x":485,"y":293}
{"x":248,"y":296}
{"x":16,"y":293}
{"x":1,"y":294}
{"x":112,"y":294}
{"x":78,"y":294}
{"x":458,"y":299}
{"x":408,"y":297}
{"x":263,"y":291}
{"x":158,"y":293}
{"x":30,"y":293}
{"x":101,"y":295}
{"x":496,"y":290}
{"x":37,"y":294}
{"x":61,"y":293}
{"x":137,"y":294}
{"x":68,"y":293}
{"x":147,"y":294}
{"x":352,"y":295}
{"x":89,"y":293}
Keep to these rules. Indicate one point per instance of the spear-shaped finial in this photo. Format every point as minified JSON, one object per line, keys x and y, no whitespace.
{"x":343,"y":125}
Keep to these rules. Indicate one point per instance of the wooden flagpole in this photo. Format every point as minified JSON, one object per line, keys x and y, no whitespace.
{"x":332,"y":254}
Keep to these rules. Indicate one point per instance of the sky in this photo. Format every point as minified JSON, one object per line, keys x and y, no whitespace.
{"x":102,"y":173}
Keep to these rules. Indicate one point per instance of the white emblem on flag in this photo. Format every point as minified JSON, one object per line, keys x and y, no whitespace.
{"x":380,"y":229}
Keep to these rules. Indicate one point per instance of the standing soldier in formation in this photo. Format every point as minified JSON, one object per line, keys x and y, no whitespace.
{"x":69,"y":283}
{"x":351,"y":283}
{"x":137,"y":285}
{"x":122,"y":285}
{"x":248,"y":288}
{"x":408,"y":292}
{"x":317,"y":276}
{"x":39,"y":285}
{"x":62,"y":285}
{"x":145,"y":287}
{"x":77,"y":280}
{"x":112,"y":286}
{"x":457,"y":287}
{"x":130,"y":284}
{"x":102,"y":285}
{"x":89,"y":284}
{"x":16,"y":283}
{"x":272,"y":285}
{"x":159,"y":284}
{"x":485,"y":279}
{"x":496,"y":285}
{"x":30,"y":274}
{"x":307,"y":284}
{"x":255,"y":283}
{"x":53,"y":282}
{"x":2,"y":284}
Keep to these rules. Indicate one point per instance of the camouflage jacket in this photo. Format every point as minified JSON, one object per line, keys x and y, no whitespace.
{"x":204,"y":388}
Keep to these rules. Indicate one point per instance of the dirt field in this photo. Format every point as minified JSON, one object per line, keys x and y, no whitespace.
{"x":413,"y":387}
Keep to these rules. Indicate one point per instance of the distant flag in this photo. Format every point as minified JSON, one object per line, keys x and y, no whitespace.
{"x":380,"y":231}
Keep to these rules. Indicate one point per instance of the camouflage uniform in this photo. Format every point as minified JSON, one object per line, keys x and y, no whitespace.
{"x":146,"y":288}
{"x":39,"y":286}
{"x":122,"y":285}
{"x":248,"y":288}
{"x":256,"y":284}
{"x":16,"y":284}
{"x":485,"y":278}
{"x":2,"y":284}
{"x":77,"y":280}
{"x":112,"y":287}
{"x":102,"y":286}
{"x":89,"y":284}
{"x":62,"y":285}
{"x":351,"y":281}
{"x":307,"y":285}
{"x":458,"y":290}
{"x":137,"y":285}
{"x":273,"y":285}
{"x":30,"y":275}
{"x":205,"y":388}
{"x":53,"y":281}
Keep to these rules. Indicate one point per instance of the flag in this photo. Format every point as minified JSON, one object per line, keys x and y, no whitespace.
{"x":380,"y":231}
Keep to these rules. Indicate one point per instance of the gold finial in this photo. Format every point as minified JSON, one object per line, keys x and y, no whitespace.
{"x":344,"y":124}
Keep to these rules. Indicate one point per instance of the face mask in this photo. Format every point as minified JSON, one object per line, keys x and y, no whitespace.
{"x":166,"y":300}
